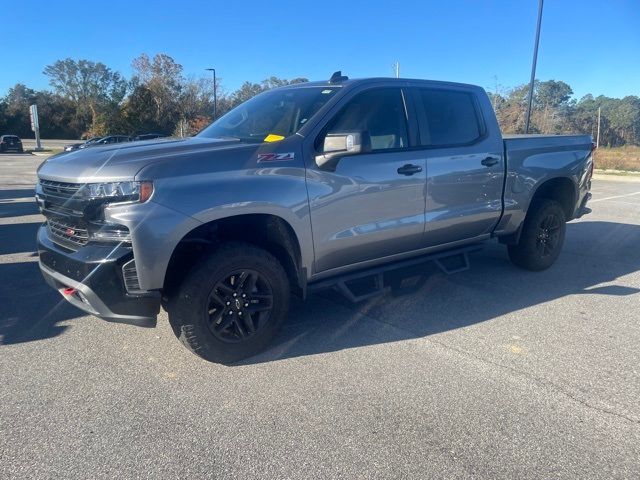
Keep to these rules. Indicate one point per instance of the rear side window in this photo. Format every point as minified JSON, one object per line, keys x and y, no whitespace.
{"x":452,"y":118}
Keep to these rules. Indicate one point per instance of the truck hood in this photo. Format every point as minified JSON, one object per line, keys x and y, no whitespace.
{"x":122,"y":162}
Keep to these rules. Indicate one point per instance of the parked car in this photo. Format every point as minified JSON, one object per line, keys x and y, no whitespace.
{"x":148,"y":136}
{"x":106,"y":141}
{"x":10,"y":142}
{"x":75,"y":146}
{"x":302,"y":187}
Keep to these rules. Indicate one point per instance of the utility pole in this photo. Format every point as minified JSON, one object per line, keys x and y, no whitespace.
{"x":396,"y":68}
{"x":533,"y":67}
{"x":215,"y":93}
{"x":598,"y":134}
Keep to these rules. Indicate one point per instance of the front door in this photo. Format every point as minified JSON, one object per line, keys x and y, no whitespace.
{"x":372,"y":205}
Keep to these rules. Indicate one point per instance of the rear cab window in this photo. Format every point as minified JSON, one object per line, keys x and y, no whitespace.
{"x":448,"y":117}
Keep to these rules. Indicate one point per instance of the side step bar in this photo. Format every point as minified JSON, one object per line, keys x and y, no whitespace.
{"x":368,"y":283}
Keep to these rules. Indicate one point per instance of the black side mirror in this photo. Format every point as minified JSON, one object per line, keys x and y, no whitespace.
{"x":342,"y":144}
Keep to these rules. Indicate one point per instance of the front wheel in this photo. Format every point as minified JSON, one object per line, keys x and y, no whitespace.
{"x":542,"y":236}
{"x":231,"y":305}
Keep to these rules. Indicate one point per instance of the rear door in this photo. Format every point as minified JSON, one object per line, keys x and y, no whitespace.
{"x":465,"y":164}
{"x":372,"y":204}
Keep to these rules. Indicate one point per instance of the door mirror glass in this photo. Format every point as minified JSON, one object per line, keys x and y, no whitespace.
{"x":340,"y":144}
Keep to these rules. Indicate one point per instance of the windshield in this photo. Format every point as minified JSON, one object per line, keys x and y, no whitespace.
{"x":275,"y":114}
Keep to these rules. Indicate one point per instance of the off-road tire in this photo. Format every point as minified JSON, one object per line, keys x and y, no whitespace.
{"x":542,"y":236}
{"x":189,"y":307}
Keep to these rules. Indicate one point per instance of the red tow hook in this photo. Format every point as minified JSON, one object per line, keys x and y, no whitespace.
{"x":68,"y":291}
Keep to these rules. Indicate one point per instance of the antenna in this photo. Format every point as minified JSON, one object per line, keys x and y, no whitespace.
{"x":337,"y":77}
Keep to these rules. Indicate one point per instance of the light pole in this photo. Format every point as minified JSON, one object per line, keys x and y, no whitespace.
{"x":533,"y":67}
{"x":215,"y":94}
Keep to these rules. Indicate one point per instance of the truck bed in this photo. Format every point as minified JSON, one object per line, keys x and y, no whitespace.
{"x":562,"y":142}
{"x":534,"y":159}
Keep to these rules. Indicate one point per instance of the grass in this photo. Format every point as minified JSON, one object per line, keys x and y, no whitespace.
{"x":625,"y":158}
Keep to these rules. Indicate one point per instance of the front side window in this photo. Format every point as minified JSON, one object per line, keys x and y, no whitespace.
{"x":278,"y":113}
{"x":451,"y":118}
{"x":378,"y":114}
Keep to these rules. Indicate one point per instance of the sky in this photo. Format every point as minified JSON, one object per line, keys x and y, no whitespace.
{"x":593,"y":45}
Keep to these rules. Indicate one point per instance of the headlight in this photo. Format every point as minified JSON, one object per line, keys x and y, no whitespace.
{"x":118,"y":191}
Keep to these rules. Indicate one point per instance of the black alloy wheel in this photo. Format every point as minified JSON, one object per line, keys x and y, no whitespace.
{"x":231,"y":304}
{"x":239,"y":306}
{"x":548,"y":235}
{"x":542,"y":236}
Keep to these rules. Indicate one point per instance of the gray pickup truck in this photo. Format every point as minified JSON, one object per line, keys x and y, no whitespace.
{"x":314,"y":184}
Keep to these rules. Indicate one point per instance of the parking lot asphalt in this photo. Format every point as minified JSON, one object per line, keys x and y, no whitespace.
{"x":493,"y":372}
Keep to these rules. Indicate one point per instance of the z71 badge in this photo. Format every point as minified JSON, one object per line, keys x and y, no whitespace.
{"x":275,"y":157}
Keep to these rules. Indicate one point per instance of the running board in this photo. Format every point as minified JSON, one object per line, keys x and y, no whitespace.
{"x":368,"y":283}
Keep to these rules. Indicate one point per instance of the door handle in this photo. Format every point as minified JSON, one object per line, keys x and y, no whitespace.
{"x":409,"y":169}
{"x":490,"y":161}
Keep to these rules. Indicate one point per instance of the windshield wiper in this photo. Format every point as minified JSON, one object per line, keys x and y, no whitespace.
{"x":227,"y":137}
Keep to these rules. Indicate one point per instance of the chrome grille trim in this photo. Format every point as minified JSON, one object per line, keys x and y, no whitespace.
{"x":60,"y":189}
{"x":61,"y":231}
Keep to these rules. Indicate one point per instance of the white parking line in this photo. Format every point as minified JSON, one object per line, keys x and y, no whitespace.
{"x":18,"y":200}
{"x":18,"y":219}
{"x":611,"y":198}
{"x":20,"y":257}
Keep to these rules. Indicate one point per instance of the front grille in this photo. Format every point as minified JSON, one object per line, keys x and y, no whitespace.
{"x":60,"y":189}
{"x":66,"y":234}
{"x":130,"y":276}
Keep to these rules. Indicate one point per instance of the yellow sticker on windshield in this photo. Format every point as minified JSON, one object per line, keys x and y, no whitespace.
{"x":273,"y":138}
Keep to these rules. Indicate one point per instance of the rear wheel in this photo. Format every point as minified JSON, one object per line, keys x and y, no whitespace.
{"x":542,"y":236}
{"x":231,"y":306}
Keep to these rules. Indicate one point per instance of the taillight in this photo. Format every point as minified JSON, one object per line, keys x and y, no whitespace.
{"x":593,"y":146}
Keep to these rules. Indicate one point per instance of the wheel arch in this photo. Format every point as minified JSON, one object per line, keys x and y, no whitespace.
{"x":561,"y":189}
{"x":270,"y":232}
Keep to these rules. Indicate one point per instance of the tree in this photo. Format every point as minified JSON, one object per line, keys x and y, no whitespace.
{"x":195,"y":101}
{"x":162,"y":77}
{"x":245,"y":92}
{"x":139,"y":111}
{"x":249,"y":89}
{"x":92,"y":87}
{"x":552,"y":94}
{"x":16,"y":110}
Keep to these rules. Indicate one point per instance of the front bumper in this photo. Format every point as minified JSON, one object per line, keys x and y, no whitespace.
{"x":91,"y":279}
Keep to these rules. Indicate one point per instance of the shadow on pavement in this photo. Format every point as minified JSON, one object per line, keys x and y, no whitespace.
{"x":18,"y":238}
{"x":11,"y":194}
{"x":437,"y":302}
{"x":30,"y":309}
{"x":17,"y":209}
{"x":595,"y":253}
